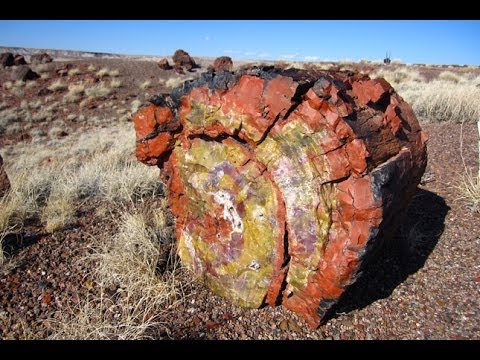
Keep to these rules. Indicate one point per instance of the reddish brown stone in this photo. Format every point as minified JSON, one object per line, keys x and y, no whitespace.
{"x":6,"y":59}
{"x":183,"y":61}
{"x":19,"y":60}
{"x":4,"y":182}
{"x":283,"y":182}
{"x":23,"y":73}
{"x":42,"y":58}
{"x":164,"y":64}
{"x":223,"y":63}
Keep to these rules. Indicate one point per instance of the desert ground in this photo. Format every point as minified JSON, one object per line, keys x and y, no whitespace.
{"x":87,"y":240}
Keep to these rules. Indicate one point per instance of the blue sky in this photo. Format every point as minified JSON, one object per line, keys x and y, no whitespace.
{"x":413,"y":41}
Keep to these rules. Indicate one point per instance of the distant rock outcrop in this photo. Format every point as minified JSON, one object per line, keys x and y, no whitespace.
{"x":223,"y":63}
{"x":23,"y":73}
{"x":164,"y":64}
{"x":6,"y":59}
{"x":4,"y":182}
{"x":41,"y":58}
{"x":183,"y":61}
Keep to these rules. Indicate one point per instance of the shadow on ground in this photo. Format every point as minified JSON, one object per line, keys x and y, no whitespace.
{"x":404,"y":255}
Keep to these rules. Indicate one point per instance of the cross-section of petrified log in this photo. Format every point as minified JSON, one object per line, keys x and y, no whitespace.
{"x":283,"y":182}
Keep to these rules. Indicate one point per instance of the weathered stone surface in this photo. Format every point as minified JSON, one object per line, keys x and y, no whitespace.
{"x":223,"y":63}
{"x":164,"y":64}
{"x":19,"y":60}
{"x":23,"y":73}
{"x":283,"y":182}
{"x":4,"y":182}
{"x":6,"y":59}
{"x":183,"y":61}
{"x":63,"y":71}
{"x":41,"y":58}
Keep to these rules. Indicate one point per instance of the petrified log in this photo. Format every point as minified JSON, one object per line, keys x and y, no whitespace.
{"x":23,"y":73}
{"x":283,"y":182}
{"x":183,"y":60}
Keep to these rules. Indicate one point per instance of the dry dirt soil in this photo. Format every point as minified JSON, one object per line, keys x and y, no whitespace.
{"x":425,"y":284}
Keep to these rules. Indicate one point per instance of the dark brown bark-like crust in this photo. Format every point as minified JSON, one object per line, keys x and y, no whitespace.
{"x":283,"y":182}
{"x":4,"y":182}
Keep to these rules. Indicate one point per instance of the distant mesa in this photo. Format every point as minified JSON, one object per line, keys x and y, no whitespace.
{"x":164,"y":64}
{"x":183,"y":61}
{"x":224,"y":63}
{"x":42,"y":58}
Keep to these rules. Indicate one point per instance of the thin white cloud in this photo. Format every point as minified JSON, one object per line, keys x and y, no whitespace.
{"x":311,"y":58}
{"x":228,"y":51}
{"x":207,"y":38}
{"x":289,"y":56}
{"x":250,"y":53}
{"x":263,"y":55}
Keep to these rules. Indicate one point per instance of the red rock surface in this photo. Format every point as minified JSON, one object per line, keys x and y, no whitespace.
{"x":283,"y":182}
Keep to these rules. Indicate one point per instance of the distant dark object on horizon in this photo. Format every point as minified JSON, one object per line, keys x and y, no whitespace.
{"x":387,"y":59}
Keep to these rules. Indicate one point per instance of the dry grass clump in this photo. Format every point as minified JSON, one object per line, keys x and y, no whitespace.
{"x":31,"y":84}
{"x":17,"y":91}
{"x":91,"y":67}
{"x":447,"y":98}
{"x":7,"y":85}
{"x":441,"y":100}
{"x":470,"y":188}
{"x":139,"y":262}
{"x":49,"y":178}
{"x":74,"y":72}
{"x":145,"y":85}
{"x":42,"y":68}
{"x":107,"y":72}
{"x":57,"y":214}
{"x":173,"y":82}
{"x":449,"y":76}
{"x":99,"y":90}
{"x":103,"y":72}
{"x":116,"y":84}
{"x":470,"y":183}
{"x":45,"y":114}
{"x":398,"y":76}
{"x":58,"y":85}
{"x":114,"y":73}
{"x":75,"y":93}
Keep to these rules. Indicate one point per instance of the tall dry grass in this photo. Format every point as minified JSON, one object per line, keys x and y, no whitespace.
{"x":49,"y":178}
{"x":129,"y":263}
{"x":451,"y":97}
